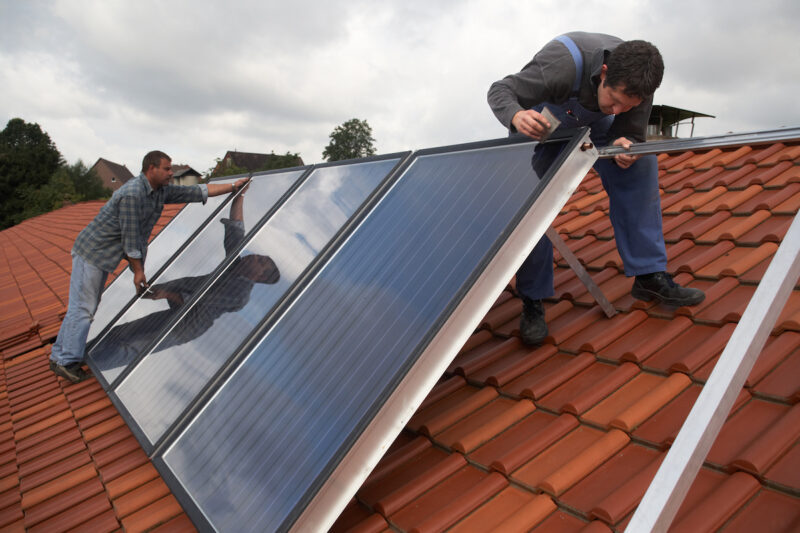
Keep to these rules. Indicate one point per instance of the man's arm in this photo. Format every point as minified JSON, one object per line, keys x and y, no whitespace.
{"x":130,"y":234}
{"x":215,"y":189}
{"x":548,"y":77}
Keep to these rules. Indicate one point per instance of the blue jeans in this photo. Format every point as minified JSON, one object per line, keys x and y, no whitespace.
{"x":85,"y":287}
{"x":635,"y":210}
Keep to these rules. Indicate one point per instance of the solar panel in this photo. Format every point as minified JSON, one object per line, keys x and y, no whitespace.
{"x":325,"y":390}
{"x":165,"y":382}
{"x":138,"y":327}
{"x":164,"y":245}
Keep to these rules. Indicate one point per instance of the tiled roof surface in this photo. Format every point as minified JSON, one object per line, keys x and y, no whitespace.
{"x":563,"y":437}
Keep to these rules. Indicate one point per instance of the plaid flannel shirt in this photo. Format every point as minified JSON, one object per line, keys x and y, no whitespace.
{"x":123,"y":225}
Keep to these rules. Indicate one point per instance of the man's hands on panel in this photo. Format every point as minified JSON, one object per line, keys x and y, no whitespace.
{"x":624,"y":160}
{"x":240,"y":184}
{"x":140,"y":281}
{"x":157,"y":292}
{"x":531,"y":123}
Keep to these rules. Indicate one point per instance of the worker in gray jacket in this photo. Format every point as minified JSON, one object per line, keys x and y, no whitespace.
{"x":600,"y":81}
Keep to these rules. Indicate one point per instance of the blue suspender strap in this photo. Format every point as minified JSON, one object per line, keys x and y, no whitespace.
{"x":576,"y":57}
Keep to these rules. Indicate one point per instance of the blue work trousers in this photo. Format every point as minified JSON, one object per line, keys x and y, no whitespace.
{"x":635,"y":209}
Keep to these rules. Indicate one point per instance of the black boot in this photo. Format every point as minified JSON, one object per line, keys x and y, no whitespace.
{"x":659,"y":286}
{"x":532,"y":327}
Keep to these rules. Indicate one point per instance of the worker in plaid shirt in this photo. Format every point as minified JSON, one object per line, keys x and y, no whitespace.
{"x":120,"y":230}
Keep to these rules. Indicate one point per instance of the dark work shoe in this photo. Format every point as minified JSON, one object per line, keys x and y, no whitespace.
{"x":659,"y":286}
{"x":532,"y":327}
{"x":72,"y":371}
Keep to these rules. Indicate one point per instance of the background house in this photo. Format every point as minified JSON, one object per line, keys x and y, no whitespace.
{"x":112,"y":174}
{"x":185,"y":175}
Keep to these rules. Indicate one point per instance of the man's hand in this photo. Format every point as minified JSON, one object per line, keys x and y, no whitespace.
{"x":140,"y":282}
{"x":241,"y":183}
{"x":624,"y":160}
{"x":531,"y":123}
{"x":139,"y":279}
{"x":158,"y":293}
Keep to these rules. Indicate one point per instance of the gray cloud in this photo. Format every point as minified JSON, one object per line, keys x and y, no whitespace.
{"x":115,"y":78}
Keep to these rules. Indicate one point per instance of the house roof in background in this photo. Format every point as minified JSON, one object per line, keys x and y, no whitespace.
{"x":106,"y":169}
{"x":250,"y":160}
{"x":563,"y":437}
{"x":178,"y":171}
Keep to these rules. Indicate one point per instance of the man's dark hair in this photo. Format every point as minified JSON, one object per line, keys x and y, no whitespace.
{"x":154,"y":158}
{"x":638,"y":66}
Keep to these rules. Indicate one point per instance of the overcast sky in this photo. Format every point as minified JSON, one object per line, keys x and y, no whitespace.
{"x":117,"y":78}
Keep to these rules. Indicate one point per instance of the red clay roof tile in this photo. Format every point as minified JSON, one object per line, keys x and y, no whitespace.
{"x":707,"y":512}
{"x":582,"y":465}
{"x":768,"y":199}
{"x":784,"y":473}
{"x":436,"y":417}
{"x":513,"y":364}
{"x":522,"y":442}
{"x":588,"y":388}
{"x":736,"y":229}
{"x":730,"y":200}
{"x":649,"y":404}
{"x":611,"y":407}
{"x":729,"y":307}
{"x":768,"y":511}
{"x":604,"y":332}
{"x":576,"y":445}
{"x":781,"y":384}
{"x":694,"y":226}
{"x":153,"y":515}
{"x":547,"y":376}
{"x":790,"y":175}
{"x":449,"y":501}
{"x":642,"y":342}
{"x":771,"y":444}
{"x":757,"y":416}
{"x":671,"y":161}
{"x":772,"y":229}
{"x":591,"y":496}
{"x":776,"y":350}
{"x":512,"y":509}
{"x":484,"y":424}
{"x":388,"y":494}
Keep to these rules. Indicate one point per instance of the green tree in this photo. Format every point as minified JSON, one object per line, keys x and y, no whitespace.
{"x":69,"y":184}
{"x":288,"y":160}
{"x":28,"y":159}
{"x":350,"y":140}
{"x":87,"y":184}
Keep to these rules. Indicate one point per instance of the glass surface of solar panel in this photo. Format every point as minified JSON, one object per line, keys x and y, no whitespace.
{"x":174,"y":372}
{"x":142,"y":322}
{"x":161,"y":249}
{"x":277,"y":427}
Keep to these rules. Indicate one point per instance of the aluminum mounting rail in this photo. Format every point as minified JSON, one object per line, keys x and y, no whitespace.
{"x":704,"y":422}
{"x":699,"y":143}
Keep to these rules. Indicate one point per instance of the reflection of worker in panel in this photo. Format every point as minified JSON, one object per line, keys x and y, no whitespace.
{"x":228,"y":294}
{"x":121,"y":229}
{"x":596,"y":80}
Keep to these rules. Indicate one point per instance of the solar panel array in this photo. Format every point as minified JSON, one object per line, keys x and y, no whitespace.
{"x":263,"y":353}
